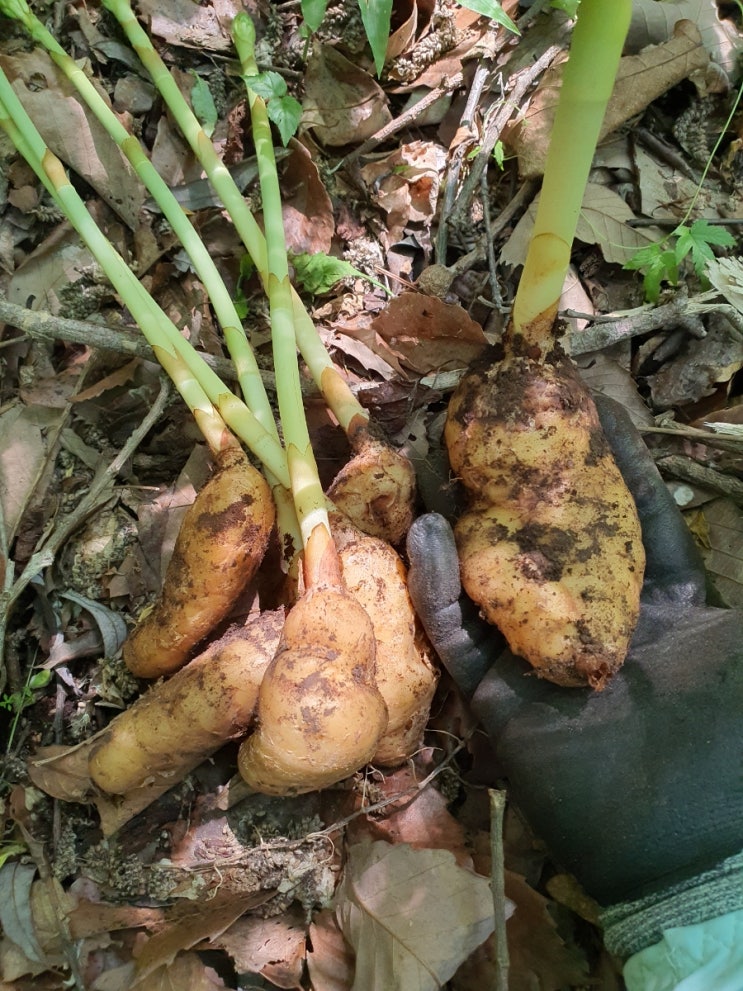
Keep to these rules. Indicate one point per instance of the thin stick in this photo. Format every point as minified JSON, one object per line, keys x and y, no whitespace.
{"x":498,"y":887}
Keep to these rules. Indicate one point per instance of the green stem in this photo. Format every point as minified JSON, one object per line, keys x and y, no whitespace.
{"x":309,"y":499}
{"x":348,"y":411}
{"x":206,"y":395}
{"x":587,"y":83}
{"x":246,"y":367}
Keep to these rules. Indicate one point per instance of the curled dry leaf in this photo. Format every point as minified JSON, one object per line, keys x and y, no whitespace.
{"x":342,"y":103}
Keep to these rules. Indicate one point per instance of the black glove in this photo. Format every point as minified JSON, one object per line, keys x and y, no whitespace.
{"x":637,"y":787}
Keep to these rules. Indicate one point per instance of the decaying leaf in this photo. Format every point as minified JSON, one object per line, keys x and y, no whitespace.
{"x":342,"y":102}
{"x":429,"y":335}
{"x":412,"y":916}
{"x":723,"y":558}
{"x":192,"y":25}
{"x":538,"y":956}
{"x":603,"y":221}
{"x":72,"y":134}
{"x":640,"y":80}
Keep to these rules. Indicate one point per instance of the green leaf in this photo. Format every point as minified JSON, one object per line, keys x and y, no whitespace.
{"x":696,"y":241}
{"x":269,"y":85}
{"x":499,"y":154}
{"x":491,"y":9}
{"x":657,"y":264}
{"x":318,"y":273}
{"x":375,"y":15}
{"x":313,"y":12}
{"x":247,"y":268}
{"x":286,"y":113}
{"x":202,"y":102}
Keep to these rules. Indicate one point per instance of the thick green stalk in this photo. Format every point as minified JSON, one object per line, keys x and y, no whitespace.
{"x":309,"y":498}
{"x":587,"y":83}
{"x":200,"y":387}
{"x":345,"y":406}
{"x":246,"y":367}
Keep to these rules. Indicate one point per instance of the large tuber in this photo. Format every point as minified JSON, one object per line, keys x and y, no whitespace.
{"x":550,"y":547}
{"x":220,"y":545}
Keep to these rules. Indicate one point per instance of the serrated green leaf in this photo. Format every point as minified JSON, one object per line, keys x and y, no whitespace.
{"x":286,"y":113}
{"x":269,"y":85}
{"x":696,"y":241}
{"x":375,"y":16}
{"x":313,"y":12}
{"x":658,"y":264}
{"x":203,"y":105}
{"x":491,"y":9}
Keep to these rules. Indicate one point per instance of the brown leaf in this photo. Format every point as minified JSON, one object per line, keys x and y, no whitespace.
{"x":640,"y":80}
{"x":185,"y":23}
{"x":723,"y":558}
{"x":412,"y":916}
{"x":342,"y":103}
{"x":330,"y":962}
{"x":429,"y":335}
{"x":187,"y":971}
{"x":195,"y":922}
{"x":538,"y":956}
{"x":306,"y":208}
{"x":273,"y":948}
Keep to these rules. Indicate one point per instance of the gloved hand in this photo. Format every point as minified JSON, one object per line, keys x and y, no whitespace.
{"x":640,"y":786}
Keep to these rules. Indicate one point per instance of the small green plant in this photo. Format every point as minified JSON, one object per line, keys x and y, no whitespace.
{"x":661,"y":262}
{"x":282,"y":108}
{"x":16,"y":702}
{"x":20,"y":700}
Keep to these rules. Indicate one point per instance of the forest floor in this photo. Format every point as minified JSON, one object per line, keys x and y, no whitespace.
{"x":411,"y":194}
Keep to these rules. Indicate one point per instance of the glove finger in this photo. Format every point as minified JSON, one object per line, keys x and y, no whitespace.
{"x":674,"y":571}
{"x":465,"y":644}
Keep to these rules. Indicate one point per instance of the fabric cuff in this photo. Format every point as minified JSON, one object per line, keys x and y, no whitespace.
{"x":631,"y":926}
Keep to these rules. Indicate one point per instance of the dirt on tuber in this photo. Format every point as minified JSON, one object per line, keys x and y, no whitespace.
{"x":220,"y":545}
{"x":376,"y":489}
{"x":550,"y":547}
{"x":406,"y":678}
{"x":320,"y":714}
{"x":180,"y":722}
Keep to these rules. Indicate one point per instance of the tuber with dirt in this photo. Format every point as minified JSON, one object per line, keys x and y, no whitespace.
{"x":550,"y":547}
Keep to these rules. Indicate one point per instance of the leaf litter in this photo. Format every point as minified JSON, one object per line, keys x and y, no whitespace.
{"x":384,"y":883}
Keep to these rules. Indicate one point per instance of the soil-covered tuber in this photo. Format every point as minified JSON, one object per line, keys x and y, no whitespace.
{"x":376,"y":489}
{"x":320,"y":715}
{"x":180,"y":722}
{"x":375,"y":576}
{"x":550,"y":547}
{"x":219,"y":548}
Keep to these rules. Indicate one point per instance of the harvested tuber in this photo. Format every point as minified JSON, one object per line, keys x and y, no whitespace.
{"x":376,"y":489}
{"x":375,"y":576}
{"x":219,"y":548}
{"x":178,"y":723}
{"x":550,"y":547}
{"x":320,"y":715}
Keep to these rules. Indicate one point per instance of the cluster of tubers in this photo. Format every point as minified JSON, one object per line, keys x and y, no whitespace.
{"x":344,"y":678}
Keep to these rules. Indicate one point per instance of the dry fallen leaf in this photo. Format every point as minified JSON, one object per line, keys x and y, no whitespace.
{"x":342,"y":103}
{"x":412,"y":916}
{"x":183,"y":22}
{"x":723,"y":558}
{"x":538,"y":956}
{"x":427,"y":334}
{"x":603,"y":221}
{"x":640,"y":80}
